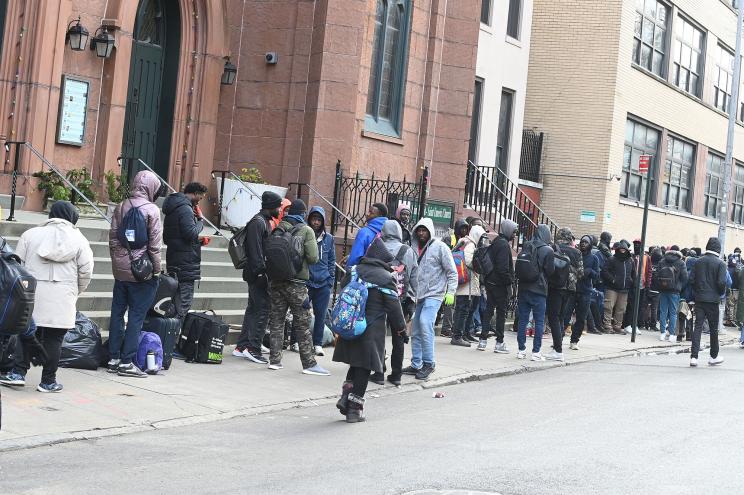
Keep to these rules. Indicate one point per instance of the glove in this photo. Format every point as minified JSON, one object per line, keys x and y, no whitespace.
{"x":198,"y":212}
{"x":449,"y":300}
{"x":204,"y":241}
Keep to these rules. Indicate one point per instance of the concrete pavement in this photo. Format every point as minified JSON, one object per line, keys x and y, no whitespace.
{"x":96,"y":403}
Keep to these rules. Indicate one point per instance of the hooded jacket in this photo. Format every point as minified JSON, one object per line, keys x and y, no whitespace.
{"x":591,"y":269}
{"x":577,"y":264}
{"x":58,"y":255}
{"x":363,"y":239}
{"x":540,"y":244}
{"x":619,"y":271}
{"x":309,"y":244}
{"x":392,"y":238}
{"x":709,"y":274}
{"x":437,"y":274}
{"x":323,"y":273}
{"x":181,"y":234}
{"x":468,"y":244}
{"x":144,"y":188}
{"x":689,"y":292}
{"x":501,"y":255}
{"x":674,"y":260}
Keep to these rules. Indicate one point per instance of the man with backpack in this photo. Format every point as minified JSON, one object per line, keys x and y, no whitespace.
{"x":467,"y":297}
{"x":569,"y":269}
{"x":290,"y":250}
{"x":450,"y":239}
{"x":376,"y":217}
{"x":584,"y":289}
{"x":618,"y":275}
{"x":135,"y":240}
{"x":254,"y":273}
{"x":672,"y":278}
{"x":653,"y":294}
{"x":181,"y":228}
{"x":322,"y":275}
{"x":709,"y":283}
{"x":498,"y":284}
{"x":534,"y":266}
{"x":436,"y":283}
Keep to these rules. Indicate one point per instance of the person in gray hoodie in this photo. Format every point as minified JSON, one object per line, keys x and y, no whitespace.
{"x":533,"y":295}
{"x":437,"y":282}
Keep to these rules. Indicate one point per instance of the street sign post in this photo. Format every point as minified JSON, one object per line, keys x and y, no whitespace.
{"x":644,"y":166}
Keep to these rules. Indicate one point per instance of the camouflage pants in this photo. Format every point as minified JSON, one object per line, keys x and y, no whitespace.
{"x":292,"y":296}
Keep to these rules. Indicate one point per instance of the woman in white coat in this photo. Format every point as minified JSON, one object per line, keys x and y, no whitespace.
{"x":468,"y":294}
{"x":58,"y":255}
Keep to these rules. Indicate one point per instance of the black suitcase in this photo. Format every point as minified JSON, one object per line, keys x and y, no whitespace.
{"x":167,"y":329}
{"x":203,"y":338}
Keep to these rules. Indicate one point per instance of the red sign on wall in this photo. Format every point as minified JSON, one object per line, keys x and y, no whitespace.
{"x":644,"y":161}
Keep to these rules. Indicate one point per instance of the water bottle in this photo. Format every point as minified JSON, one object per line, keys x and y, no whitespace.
{"x":151,"y":368}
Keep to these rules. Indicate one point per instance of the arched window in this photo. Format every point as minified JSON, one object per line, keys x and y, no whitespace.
{"x":386,"y":92}
{"x":149,"y":28}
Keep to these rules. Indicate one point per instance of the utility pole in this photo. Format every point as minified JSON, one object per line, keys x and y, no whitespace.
{"x":729,"y":165}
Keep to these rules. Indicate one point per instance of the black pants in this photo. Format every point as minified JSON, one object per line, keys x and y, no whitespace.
{"x":596,"y":309}
{"x":184,"y":299}
{"x":652,"y":305}
{"x":51,"y":340}
{"x":556,"y":306}
{"x":464,"y":309}
{"x":497,"y":299}
{"x":582,"y":310}
{"x":705,"y":311}
{"x":360,"y":378}
{"x":256,"y":317}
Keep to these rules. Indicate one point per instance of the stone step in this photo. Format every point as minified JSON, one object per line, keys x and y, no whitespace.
{"x":233,"y":285}
{"x":219,"y":301}
{"x":208,"y":268}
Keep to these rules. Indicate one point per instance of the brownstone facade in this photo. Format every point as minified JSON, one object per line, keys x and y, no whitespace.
{"x":293,"y":120}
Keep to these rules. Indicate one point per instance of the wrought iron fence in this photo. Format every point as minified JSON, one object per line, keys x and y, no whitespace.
{"x":531,"y":157}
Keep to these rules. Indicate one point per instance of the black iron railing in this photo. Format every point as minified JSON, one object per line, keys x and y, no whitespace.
{"x":531,"y":157}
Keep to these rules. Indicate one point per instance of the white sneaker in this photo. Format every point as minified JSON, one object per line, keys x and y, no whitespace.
{"x":715,"y":361}
{"x":295,"y":347}
{"x":553,"y":356}
{"x":501,"y":348}
{"x":658,"y":325}
{"x":662,"y":337}
{"x":277,"y":366}
{"x":628,"y":330}
{"x":574,"y":346}
{"x":265,"y":350}
{"x":319,"y":350}
{"x":521,"y":354}
{"x":536,"y":356}
{"x":672,"y":339}
{"x":238,"y":353}
{"x":693,"y":362}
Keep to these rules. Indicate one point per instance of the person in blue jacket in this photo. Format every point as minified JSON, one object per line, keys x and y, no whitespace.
{"x":584,"y":289}
{"x":322,"y":275}
{"x":376,"y":217}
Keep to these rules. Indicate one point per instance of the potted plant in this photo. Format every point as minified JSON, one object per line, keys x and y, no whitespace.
{"x":116,"y":191}
{"x":239,"y":204}
{"x":53,"y":187}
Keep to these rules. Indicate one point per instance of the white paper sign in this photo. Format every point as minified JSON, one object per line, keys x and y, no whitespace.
{"x":72,"y":111}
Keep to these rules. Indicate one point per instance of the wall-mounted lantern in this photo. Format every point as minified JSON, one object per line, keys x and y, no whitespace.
{"x":77,"y":35}
{"x":102,"y":42}
{"x":229,"y":72}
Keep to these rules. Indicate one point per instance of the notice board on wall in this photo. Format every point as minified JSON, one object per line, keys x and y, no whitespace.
{"x":73,"y":103}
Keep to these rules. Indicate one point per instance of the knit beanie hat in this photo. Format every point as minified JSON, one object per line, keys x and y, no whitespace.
{"x":270,"y":200}
{"x":298,"y":207}
{"x":565,"y":235}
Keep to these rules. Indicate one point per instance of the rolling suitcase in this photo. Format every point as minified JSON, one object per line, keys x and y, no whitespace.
{"x":167,"y":329}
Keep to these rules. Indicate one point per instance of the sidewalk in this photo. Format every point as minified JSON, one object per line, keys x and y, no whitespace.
{"x":96,"y":403}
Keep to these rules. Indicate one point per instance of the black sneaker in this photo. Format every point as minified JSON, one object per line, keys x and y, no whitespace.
{"x":410,"y":370}
{"x":424,"y":372}
{"x":394,"y":379}
{"x":130,"y":370}
{"x":255,"y":356}
{"x":377,"y":378}
{"x":113,"y":365}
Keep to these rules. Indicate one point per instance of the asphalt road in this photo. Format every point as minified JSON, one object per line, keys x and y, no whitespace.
{"x":632,"y":426}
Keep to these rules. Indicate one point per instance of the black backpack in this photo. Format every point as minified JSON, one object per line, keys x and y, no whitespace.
{"x":284,"y":253}
{"x":562,"y":270}
{"x":132,"y":232}
{"x":527,"y":268}
{"x":655,"y":276}
{"x":667,"y":277}
{"x":17,"y":292}
{"x":482,"y":258}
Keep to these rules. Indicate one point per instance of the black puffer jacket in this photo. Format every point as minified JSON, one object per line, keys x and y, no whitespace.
{"x":674,"y":260}
{"x":709,"y":274}
{"x":181,"y":234}
{"x":618,"y":273}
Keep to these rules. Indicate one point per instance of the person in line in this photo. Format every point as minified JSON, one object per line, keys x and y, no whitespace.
{"x":533,"y":295}
{"x":642,"y":263}
{"x":367,"y":353}
{"x":436,"y":282}
{"x":709,"y":281}
{"x":403,"y":217}
{"x":688,"y":324}
{"x":732,"y":294}
{"x":560,"y":293}
{"x":256,"y":316}
{"x":59,"y":257}
{"x":672,"y":275}
{"x":603,"y":253}
{"x":584,"y":287}
{"x":461,"y":229}
{"x":653,"y":294}
{"x":322,"y":275}
{"x":182,"y":225}
{"x":283,"y":208}
{"x":376,"y":217}
{"x":618,"y":275}
{"x":498,"y":286}
{"x":293,"y":295}
{"x":131,"y":296}
{"x":467,"y":297}
{"x":403,"y":256}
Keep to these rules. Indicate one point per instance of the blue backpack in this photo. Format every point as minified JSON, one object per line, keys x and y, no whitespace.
{"x":349,"y":315}
{"x":132,"y":231}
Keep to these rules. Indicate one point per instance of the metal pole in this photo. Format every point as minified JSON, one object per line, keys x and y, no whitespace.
{"x":637,"y":286}
{"x":16,"y":165}
{"x":729,"y":165}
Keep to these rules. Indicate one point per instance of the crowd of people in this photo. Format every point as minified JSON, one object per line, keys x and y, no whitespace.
{"x":468,"y":279}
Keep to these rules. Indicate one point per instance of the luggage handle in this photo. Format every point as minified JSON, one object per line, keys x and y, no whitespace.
{"x":210,"y":311}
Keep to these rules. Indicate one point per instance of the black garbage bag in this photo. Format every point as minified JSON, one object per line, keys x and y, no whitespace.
{"x":81,"y":348}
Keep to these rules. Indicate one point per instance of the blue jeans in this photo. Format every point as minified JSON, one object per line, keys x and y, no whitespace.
{"x":668,"y":306}
{"x":526,"y":302}
{"x":137,"y":297}
{"x":319,"y":298}
{"x":422,"y":332}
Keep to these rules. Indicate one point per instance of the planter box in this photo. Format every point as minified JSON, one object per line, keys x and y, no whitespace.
{"x":86,"y":211}
{"x":239,"y":204}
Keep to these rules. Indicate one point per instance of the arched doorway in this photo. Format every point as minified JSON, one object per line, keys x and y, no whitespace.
{"x":151,"y":94}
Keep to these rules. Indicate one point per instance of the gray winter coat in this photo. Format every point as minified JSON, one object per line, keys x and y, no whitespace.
{"x":437,"y":274}
{"x":392,"y":236}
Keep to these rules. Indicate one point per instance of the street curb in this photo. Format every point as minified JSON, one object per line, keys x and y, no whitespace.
{"x":386,"y":391}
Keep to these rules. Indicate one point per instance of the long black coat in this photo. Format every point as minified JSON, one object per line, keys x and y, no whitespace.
{"x":181,"y":234}
{"x":368,"y":351}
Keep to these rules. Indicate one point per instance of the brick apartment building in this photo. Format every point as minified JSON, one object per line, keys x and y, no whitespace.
{"x":382,"y":85}
{"x":615,"y":79}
